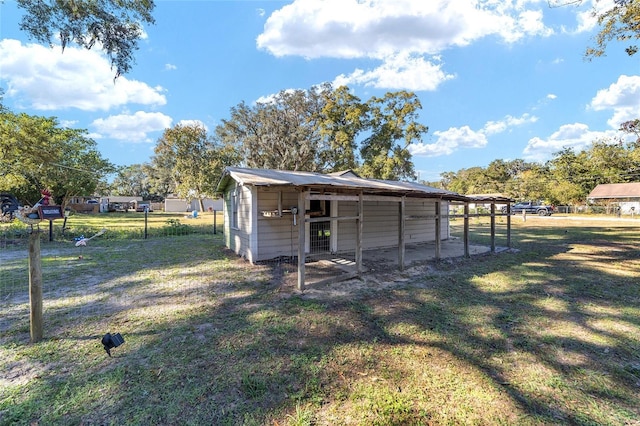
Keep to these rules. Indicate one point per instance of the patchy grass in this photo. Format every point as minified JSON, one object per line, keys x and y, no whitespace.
{"x":546,"y":334}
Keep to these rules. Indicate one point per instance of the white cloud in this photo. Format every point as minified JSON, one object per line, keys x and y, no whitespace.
{"x":402,"y":71}
{"x":454,"y":139}
{"x":586,"y":20}
{"x":170,"y":67}
{"x":45,"y":78}
{"x":377,"y":28}
{"x":402,"y":34}
{"x":131,"y":128}
{"x":622,"y":97}
{"x":193,"y":123}
{"x":449,"y":141}
{"x":493,"y":127}
{"x":576,"y":136}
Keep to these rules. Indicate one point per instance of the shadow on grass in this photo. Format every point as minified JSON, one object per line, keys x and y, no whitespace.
{"x":532,"y":337}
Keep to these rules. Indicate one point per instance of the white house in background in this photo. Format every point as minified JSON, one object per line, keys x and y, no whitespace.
{"x":623,"y":195}
{"x":119,"y":203}
{"x":174,"y":204}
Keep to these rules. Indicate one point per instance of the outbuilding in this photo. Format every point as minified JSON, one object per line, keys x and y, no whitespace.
{"x":265,"y":210}
{"x":624,"y":197}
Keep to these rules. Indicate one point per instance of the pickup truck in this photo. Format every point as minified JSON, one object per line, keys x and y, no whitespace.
{"x":534,"y":207}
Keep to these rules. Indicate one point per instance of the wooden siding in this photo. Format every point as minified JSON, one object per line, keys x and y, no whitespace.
{"x":263,"y":236}
{"x":381,"y":224}
{"x":277,"y":236}
{"x":239,"y":239}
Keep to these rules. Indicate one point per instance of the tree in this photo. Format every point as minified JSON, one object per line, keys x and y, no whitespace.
{"x":632,"y":127}
{"x":281,"y":133}
{"x":465,"y":181}
{"x":132,"y":180}
{"x":321,"y":130}
{"x":621,"y":22}
{"x":531,"y":183}
{"x":78,"y":170}
{"x":393,"y":126}
{"x":35,"y":153}
{"x":115,"y":25}
{"x":343,"y":118}
{"x":197,"y":160}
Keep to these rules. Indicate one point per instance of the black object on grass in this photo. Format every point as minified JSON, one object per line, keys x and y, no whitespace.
{"x":110,"y":341}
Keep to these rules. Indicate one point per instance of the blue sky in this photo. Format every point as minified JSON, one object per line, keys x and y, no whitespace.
{"x":497,"y":79}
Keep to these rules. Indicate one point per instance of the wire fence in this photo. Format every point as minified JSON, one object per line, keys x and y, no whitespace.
{"x":82,"y":251}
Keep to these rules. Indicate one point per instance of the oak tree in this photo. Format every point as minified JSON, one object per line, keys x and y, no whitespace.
{"x":114,"y":25}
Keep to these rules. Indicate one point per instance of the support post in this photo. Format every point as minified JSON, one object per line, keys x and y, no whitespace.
{"x":466,"y":229}
{"x":215,"y":225}
{"x":35,"y":287}
{"x":359,"y":234}
{"x":509,"y":224}
{"x":146,"y":221}
{"x":301,"y":238}
{"x":438,"y":229}
{"x":493,"y":227}
{"x":401,"y":229}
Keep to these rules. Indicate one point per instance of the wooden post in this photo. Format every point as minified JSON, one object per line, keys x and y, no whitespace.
{"x":493,"y":227}
{"x":35,"y":287}
{"x":466,"y":229}
{"x":401,"y":229}
{"x":215,"y":225}
{"x":509,"y":224}
{"x":359,"y":223}
{"x":438,"y":229}
{"x":301,"y":238}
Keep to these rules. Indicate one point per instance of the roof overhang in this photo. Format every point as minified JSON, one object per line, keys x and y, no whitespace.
{"x":337,"y":183}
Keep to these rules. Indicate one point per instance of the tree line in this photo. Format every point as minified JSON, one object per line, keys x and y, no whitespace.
{"x":319,"y":130}
{"x":322,"y":129}
{"x":566,"y":179}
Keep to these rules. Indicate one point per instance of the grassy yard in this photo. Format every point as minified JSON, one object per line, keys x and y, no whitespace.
{"x":548,"y":333}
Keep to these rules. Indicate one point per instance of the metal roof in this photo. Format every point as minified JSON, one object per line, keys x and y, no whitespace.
{"x":616,"y":190}
{"x":337,"y":182}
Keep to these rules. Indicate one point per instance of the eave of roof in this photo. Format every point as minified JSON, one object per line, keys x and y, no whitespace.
{"x":267,"y":177}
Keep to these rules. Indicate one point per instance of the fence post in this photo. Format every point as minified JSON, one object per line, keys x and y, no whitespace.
{"x":35,"y":287}
{"x":215,"y":226}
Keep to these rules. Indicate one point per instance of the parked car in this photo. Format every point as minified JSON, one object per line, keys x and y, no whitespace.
{"x":535,"y":207}
{"x":8,"y":205}
{"x":143,"y":206}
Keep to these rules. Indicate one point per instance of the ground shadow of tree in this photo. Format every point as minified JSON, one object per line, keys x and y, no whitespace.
{"x":249,"y":351}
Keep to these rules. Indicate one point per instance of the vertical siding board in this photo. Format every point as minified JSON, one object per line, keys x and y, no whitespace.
{"x":276,"y":235}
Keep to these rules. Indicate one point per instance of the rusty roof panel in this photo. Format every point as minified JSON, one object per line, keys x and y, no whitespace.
{"x":616,"y":190}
